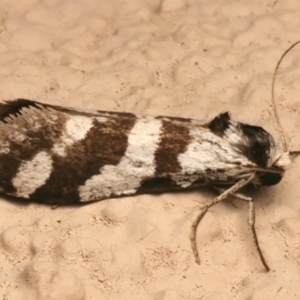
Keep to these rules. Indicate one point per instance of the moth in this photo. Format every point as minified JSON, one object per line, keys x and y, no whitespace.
{"x":60,"y":155}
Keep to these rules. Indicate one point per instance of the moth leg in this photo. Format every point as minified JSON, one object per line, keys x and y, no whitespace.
{"x":216,"y":200}
{"x":251,"y":222}
{"x":235,"y":195}
{"x":194,"y":232}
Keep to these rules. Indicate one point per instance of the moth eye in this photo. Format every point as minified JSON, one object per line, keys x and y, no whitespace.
{"x":268,"y":179}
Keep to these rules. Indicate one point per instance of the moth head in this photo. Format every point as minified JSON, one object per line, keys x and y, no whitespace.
{"x":281,"y":161}
{"x":255,"y":144}
{"x":278,"y":163}
{"x":260,"y":148}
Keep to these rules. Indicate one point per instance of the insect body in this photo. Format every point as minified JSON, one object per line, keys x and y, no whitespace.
{"x":60,"y":155}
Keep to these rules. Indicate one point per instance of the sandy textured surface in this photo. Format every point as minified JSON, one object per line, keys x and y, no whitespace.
{"x":173,"y":57}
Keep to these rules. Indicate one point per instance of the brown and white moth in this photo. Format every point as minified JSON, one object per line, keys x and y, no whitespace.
{"x":59,"y":155}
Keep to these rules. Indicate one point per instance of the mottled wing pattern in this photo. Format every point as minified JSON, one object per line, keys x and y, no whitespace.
{"x":53,"y":154}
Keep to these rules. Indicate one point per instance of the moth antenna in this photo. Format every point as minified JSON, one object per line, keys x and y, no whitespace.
{"x":283,"y":141}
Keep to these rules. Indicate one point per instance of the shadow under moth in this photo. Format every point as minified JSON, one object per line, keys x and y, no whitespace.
{"x":59,"y":155}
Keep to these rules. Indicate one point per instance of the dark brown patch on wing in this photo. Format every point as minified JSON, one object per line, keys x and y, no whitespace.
{"x":37,"y":140}
{"x":174,"y":140}
{"x":104,"y":144}
{"x":13,"y":108}
{"x":219,"y":124}
{"x":157,"y":185}
{"x":167,"y":184}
